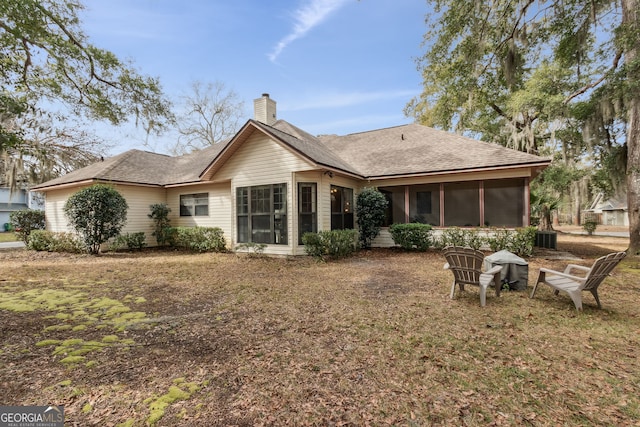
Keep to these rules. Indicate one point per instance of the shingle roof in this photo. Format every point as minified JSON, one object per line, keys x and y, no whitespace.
{"x":416,"y":149}
{"x":403,"y":150}
{"x":134,"y":166}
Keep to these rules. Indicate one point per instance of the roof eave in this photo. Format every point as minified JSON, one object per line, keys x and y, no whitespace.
{"x":92,"y":181}
{"x":542,"y":164}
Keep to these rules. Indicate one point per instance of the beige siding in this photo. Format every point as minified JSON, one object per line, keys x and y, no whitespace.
{"x":55,"y":219}
{"x":220,"y":208}
{"x":262,"y":161}
{"x":139,"y":199}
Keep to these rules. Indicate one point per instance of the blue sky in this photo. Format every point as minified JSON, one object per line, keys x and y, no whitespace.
{"x":332,"y":66}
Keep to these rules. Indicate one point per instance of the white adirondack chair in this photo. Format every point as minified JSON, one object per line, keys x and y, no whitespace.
{"x":590,"y":279}
{"x":466,"y":266}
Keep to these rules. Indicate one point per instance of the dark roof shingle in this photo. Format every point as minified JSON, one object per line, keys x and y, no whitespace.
{"x":403,"y":150}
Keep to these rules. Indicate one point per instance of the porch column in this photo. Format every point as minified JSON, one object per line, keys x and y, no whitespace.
{"x":442,"y":204}
{"x":481,"y":200}
{"x":406,"y":204}
{"x":526,"y":215}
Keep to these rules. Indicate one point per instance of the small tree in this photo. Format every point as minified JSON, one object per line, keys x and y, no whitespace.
{"x":96,"y":213}
{"x":25,"y":221}
{"x":371,"y":208}
{"x":160,"y":216}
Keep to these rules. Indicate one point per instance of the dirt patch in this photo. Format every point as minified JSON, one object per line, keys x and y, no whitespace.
{"x":216,"y":339}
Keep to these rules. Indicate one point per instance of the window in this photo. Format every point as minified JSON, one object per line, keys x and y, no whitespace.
{"x":262,"y":214}
{"x":194,"y":204}
{"x":341,"y":208}
{"x":307,"y":209}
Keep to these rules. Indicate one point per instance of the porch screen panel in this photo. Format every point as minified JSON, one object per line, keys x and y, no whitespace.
{"x":424,"y":204}
{"x":504,"y":203}
{"x":462,"y":204}
{"x":395,"y":207}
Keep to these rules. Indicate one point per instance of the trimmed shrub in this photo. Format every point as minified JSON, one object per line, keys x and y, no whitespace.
{"x":330,"y":243}
{"x":25,"y":221}
{"x":131,"y":241}
{"x":412,"y":236}
{"x":371,"y":208}
{"x":97,"y":213}
{"x":42,"y":240}
{"x":197,"y":239}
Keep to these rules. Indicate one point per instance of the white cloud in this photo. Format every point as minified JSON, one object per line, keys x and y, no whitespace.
{"x":306,"y":18}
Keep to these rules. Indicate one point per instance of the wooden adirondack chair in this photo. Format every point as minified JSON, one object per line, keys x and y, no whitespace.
{"x":466,"y":266}
{"x":574,"y":285}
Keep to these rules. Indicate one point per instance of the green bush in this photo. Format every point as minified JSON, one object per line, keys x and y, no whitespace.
{"x":412,"y":236}
{"x":197,"y":239}
{"x":523,"y":241}
{"x":590,"y":226}
{"x":42,"y":240}
{"x":500,"y":239}
{"x":97,"y":214}
{"x":330,"y":243}
{"x":455,"y":236}
{"x":160,"y":216}
{"x":25,"y":221}
{"x":371,"y":208}
{"x":519,"y":241}
{"x":133,"y":241}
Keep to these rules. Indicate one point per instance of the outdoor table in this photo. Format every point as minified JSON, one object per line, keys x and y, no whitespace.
{"x":515,"y":270}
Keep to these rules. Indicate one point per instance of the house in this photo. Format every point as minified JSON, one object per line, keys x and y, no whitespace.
{"x":17,"y":200}
{"x":612,"y":211}
{"x":273,"y":181}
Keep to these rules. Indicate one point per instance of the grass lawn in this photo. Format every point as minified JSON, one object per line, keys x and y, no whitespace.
{"x":174,"y":339}
{"x":8,"y":237}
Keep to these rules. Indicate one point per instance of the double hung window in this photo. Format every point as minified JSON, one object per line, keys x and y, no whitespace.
{"x":194,"y":204}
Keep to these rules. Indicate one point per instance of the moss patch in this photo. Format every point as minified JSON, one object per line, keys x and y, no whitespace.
{"x":181,"y":390}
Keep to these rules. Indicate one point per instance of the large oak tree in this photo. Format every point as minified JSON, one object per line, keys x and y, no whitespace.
{"x":47,"y":61}
{"x":530,"y":74}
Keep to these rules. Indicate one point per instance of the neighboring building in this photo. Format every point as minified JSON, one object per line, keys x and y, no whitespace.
{"x":611,"y":211}
{"x":272,"y":182}
{"x":18,"y":200}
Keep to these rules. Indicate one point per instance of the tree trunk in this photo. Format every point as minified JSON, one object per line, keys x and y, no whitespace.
{"x":631,"y":23}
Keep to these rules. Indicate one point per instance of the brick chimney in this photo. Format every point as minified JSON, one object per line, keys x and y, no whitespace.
{"x":264,"y":110}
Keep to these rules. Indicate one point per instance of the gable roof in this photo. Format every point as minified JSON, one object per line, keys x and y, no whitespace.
{"x":385,"y":153}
